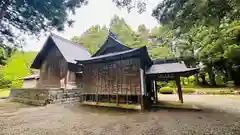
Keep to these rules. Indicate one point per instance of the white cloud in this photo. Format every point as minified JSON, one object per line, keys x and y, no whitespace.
{"x":99,"y":12}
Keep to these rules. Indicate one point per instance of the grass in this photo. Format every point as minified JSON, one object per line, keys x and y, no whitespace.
{"x":213,"y":91}
{"x":4,"y":93}
{"x":169,"y":90}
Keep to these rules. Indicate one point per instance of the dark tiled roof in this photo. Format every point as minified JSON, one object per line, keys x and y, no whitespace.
{"x":165,"y":68}
{"x":70,"y":50}
{"x":137,"y":52}
{"x":30,"y":77}
{"x":111,"y":45}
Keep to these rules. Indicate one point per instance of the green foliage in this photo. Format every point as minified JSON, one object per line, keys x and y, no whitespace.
{"x":17,"y":66}
{"x":160,"y":52}
{"x":166,"y":90}
{"x":186,"y":13}
{"x":35,"y":16}
{"x":130,"y":4}
{"x":171,"y":90}
{"x":123,"y":32}
{"x":95,"y":36}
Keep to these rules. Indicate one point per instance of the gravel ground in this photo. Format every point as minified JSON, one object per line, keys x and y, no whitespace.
{"x":73,"y":119}
{"x":221,"y":103}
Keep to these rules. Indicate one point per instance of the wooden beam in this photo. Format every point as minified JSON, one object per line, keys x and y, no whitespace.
{"x":155,"y":91}
{"x":143,"y":89}
{"x":96,"y":97}
{"x":117,"y":80}
{"x":179,"y":88}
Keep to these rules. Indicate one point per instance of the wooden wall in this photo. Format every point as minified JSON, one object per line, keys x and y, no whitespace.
{"x":118,"y":77}
{"x":53,"y":71}
{"x":31,"y":83}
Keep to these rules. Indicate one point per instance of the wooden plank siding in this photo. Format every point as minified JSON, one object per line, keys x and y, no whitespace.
{"x":54,"y":72}
{"x":116,"y":80}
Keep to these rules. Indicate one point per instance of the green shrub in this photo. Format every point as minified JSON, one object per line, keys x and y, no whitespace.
{"x":166,"y":90}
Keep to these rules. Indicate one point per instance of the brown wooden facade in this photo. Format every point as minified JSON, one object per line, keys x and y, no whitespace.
{"x":54,"y":72}
{"x":115,"y":81}
{"x":114,"y":74}
{"x":57,"y":65}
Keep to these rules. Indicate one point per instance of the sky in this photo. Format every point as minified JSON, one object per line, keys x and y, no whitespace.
{"x":98,"y":12}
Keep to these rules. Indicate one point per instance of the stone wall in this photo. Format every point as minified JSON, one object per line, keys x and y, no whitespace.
{"x":42,"y":97}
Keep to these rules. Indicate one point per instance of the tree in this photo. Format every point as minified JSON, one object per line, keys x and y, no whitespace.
{"x":123,"y":32}
{"x":143,"y":34}
{"x":17,"y":66}
{"x":130,"y":4}
{"x":186,"y":13}
{"x":93,"y":38}
{"x":34,"y":16}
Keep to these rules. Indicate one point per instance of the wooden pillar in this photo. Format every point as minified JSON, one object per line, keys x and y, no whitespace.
{"x":66,"y":80}
{"x":96,"y":97}
{"x":143,"y":88}
{"x":155,"y":91}
{"x":117,"y":80}
{"x":179,"y":88}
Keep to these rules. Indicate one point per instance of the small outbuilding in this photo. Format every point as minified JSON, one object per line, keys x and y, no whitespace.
{"x":57,"y":65}
{"x":30,"y":81}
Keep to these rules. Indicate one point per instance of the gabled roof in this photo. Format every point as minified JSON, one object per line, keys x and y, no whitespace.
{"x":170,"y":68}
{"x":113,"y":49}
{"x":111,"y":45}
{"x":137,"y":52}
{"x":70,"y":50}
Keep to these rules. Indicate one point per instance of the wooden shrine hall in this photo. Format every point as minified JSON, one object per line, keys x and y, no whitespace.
{"x":120,"y":75}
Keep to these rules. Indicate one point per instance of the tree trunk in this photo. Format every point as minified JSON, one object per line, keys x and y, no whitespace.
{"x":203,"y":77}
{"x":195,"y":75}
{"x":211,"y":76}
{"x":196,"y":79}
{"x":229,"y":72}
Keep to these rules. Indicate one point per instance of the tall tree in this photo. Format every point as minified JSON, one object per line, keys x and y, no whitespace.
{"x":92,"y":38}
{"x":143,"y":34}
{"x":123,"y":32}
{"x":186,"y":13}
{"x":34,"y":16}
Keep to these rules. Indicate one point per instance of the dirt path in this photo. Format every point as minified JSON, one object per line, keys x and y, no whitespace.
{"x":73,"y":119}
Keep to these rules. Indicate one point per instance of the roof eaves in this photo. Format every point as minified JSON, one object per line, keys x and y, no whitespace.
{"x":38,"y":55}
{"x":116,"y":54}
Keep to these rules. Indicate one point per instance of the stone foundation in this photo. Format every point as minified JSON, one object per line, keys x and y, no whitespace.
{"x":42,"y":97}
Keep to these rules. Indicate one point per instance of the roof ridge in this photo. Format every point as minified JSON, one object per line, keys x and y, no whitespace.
{"x":69,"y":41}
{"x":118,"y":41}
